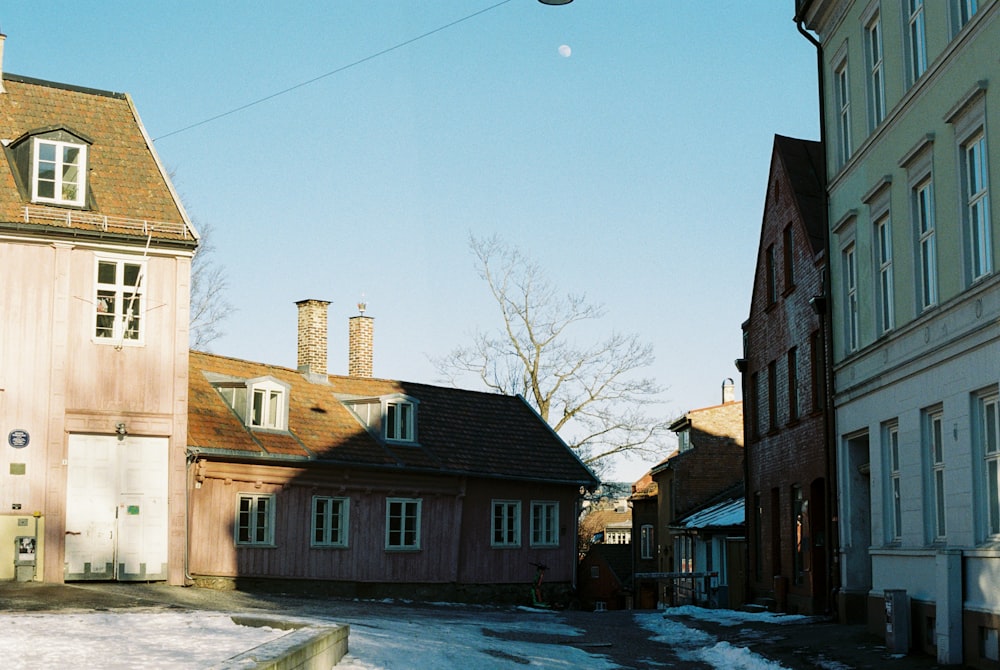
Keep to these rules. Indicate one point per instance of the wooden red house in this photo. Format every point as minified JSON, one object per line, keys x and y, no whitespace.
{"x":373,"y":486}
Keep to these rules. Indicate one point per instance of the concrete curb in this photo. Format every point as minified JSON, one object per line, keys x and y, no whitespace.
{"x":307,"y":647}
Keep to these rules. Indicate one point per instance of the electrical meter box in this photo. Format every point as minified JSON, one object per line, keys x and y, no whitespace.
{"x":24,"y":557}
{"x":897,"y":621}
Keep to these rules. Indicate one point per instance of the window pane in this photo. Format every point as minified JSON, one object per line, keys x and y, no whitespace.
{"x":993,"y":493}
{"x":107,"y":272}
{"x":990,"y":427}
{"x":46,"y":152}
{"x":131,"y":274}
{"x":939,"y":496}
{"x":258,"y":407}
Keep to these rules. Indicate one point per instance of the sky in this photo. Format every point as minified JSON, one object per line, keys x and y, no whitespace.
{"x":378,"y":641}
{"x":347,"y":150}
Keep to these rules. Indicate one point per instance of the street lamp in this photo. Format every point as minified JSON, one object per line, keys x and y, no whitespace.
{"x":555,"y":2}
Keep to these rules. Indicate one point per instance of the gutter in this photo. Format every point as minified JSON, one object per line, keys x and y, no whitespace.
{"x":832,"y":545}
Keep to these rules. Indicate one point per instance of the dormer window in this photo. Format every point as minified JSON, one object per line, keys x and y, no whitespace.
{"x":260,"y":403}
{"x":59,"y":172}
{"x":683,"y":440}
{"x":268,"y":405}
{"x":392,"y":418}
{"x":399,"y":424}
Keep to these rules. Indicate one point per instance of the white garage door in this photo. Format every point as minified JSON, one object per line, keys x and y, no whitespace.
{"x":116,"y":508}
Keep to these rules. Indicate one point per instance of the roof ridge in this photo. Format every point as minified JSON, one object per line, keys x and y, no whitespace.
{"x":9,"y":76}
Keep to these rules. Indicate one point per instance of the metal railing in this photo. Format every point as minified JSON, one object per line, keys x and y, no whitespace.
{"x":72,"y":218}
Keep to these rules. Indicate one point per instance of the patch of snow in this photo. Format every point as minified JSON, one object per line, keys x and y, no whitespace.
{"x":725,"y":655}
{"x":725,"y":617}
{"x":697,"y":645}
{"x":114,"y":641}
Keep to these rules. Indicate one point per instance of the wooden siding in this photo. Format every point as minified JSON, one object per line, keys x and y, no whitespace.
{"x":455,"y":527}
{"x":56,"y":380}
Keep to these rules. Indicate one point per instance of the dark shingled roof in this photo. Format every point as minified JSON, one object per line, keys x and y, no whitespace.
{"x":805,"y":166}
{"x":130,"y":194}
{"x":458,"y":431}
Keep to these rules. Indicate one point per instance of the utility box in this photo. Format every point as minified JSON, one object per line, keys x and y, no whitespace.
{"x":25,"y":547}
{"x":897,"y":621}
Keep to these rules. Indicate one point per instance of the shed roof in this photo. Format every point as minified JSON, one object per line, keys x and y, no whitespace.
{"x":726,"y":514}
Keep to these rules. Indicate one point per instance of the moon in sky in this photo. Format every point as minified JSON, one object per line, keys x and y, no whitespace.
{"x":565,"y":51}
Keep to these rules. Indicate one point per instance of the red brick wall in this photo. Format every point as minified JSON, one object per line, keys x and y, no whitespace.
{"x":787,"y":451}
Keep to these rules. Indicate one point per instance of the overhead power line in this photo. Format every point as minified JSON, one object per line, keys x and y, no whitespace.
{"x":331,"y":72}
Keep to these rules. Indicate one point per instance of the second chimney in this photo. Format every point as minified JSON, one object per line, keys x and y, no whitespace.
{"x":360,"y":335}
{"x":312,"y":336}
{"x":728,"y":391}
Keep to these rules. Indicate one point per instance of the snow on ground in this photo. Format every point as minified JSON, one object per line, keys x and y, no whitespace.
{"x":446,"y":643}
{"x":693,"y":644}
{"x":111,"y":641}
{"x":386,"y":640}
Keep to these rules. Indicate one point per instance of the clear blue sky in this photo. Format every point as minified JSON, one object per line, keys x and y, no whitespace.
{"x":634,"y":169}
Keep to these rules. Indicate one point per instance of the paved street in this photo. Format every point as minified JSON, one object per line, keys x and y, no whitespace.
{"x":618,"y":636}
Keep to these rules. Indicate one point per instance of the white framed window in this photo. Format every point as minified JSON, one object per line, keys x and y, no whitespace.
{"x":119,"y":305}
{"x":876,"y":71}
{"x":962,"y":12}
{"x":544,"y":523}
{"x":59,"y":172}
{"x":683,"y":440}
{"x":400,"y":420}
{"x":684,"y":553}
{"x":402,"y":523}
{"x":646,"y":541}
{"x":976,"y":206}
{"x":916,"y":40}
{"x":850,"y":269}
{"x":255,"y":519}
{"x":883,"y":251}
{"x":893,"y":482}
{"x":267,"y":400}
{"x":923,"y":216}
{"x":330,"y":521}
{"x":506,"y":523}
{"x":987,"y":437}
{"x":843,"y":101}
{"x":934,"y":503}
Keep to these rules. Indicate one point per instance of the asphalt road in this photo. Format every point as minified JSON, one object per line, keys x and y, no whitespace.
{"x":817,"y":644}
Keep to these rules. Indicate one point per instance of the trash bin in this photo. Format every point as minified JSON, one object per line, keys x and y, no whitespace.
{"x":897,"y":621}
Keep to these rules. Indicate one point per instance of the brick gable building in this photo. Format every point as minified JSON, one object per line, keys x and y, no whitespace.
{"x":789,"y":467}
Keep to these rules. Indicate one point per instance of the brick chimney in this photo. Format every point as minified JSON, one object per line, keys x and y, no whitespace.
{"x":360,"y":337}
{"x":728,"y":391}
{"x":312,"y":336}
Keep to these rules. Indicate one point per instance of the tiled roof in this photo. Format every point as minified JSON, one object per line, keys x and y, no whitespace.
{"x":458,"y":431}
{"x":131,"y":194}
{"x":609,"y":518}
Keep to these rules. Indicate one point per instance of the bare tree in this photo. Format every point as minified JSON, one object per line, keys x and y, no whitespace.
{"x":209,"y":305}
{"x":592,"y":395}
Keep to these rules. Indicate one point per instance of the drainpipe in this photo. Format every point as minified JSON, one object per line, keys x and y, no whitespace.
{"x":832,"y":548}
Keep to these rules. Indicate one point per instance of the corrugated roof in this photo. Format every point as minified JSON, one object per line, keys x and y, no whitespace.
{"x":727,"y":513}
{"x":458,"y":431}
